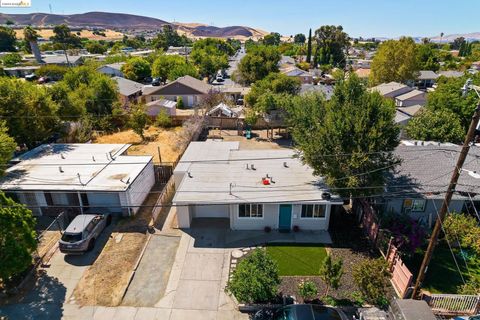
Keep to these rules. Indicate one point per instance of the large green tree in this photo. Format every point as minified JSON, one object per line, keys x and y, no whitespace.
{"x":211,"y":55}
{"x":17,"y":238}
{"x":7,"y":145}
{"x":331,"y":42}
{"x":348,"y":140}
{"x":299,"y":38}
{"x":171,"y":67}
{"x":29,"y":112}
{"x":64,"y":37}
{"x":169,"y":37}
{"x":436,"y":125}
{"x":136,"y":69}
{"x":11,"y":59}
{"x":262,"y":96}
{"x":7,"y":39}
{"x":309,"y":46}
{"x":272,"y":39}
{"x":258,"y":63}
{"x":395,"y":60}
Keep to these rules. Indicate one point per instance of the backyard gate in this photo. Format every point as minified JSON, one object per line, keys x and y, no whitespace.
{"x":401,"y":277}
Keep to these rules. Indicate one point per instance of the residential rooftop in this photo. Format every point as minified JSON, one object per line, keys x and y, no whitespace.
{"x":391,"y":89}
{"x":409,"y":95}
{"x":127,"y":87}
{"x":74,"y":167}
{"x":230,"y":178}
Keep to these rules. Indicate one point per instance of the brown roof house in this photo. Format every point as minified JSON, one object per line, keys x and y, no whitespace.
{"x":189,"y":88}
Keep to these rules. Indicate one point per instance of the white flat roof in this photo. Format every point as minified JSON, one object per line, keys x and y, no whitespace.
{"x":75,"y":167}
{"x":206,"y":151}
{"x":231,"y":182}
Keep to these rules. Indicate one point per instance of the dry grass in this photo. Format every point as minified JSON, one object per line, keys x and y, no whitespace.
{"x":47,"y":33}
{"x":105,"y":282}
{"x":259,"y":139}
{"x":155,"y":137}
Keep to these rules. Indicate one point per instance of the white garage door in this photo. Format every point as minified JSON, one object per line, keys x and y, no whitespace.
{"x":220,"y":211}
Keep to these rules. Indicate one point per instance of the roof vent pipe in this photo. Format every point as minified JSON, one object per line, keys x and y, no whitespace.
{"x":248,"y":168}
{"x":93,"y":158}
{"x":285,"y":164}
{"x":60,"y":169}
{"x":62,"y":156}
{"x":253,"y":167}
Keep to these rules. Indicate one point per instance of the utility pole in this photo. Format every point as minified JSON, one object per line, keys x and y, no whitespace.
{"x":451,"y":189}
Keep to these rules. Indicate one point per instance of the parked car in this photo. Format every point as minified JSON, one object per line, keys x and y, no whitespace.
{"x":219,"y":78}
{"x":43,"y":80}
{"x":83,"y":231}
{"x":156,"y":82}
{"x":147,"y":80}
{"x":476,"y":317}
{"x":30,"y":77}
{"x":301,"y":312}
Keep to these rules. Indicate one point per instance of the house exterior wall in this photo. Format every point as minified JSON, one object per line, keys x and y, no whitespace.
{"x":138,"y":190}
{"x":188,"y":100}
{"x":427,"y":216}
{"x":310,"y":223}
{"x":109,"y":200}
{"x":184,"y":217}
{"x":269,"y":219}
{"x":210,"y":211}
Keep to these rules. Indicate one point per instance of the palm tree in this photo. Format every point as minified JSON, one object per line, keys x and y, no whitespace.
{"x":31,"y":36}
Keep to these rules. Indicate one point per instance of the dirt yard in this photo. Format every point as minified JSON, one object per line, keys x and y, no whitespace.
{"x":154,"y":137}
{"x":259,"y":139}
{"x":47,"y":33}
{"x":105,"y":282}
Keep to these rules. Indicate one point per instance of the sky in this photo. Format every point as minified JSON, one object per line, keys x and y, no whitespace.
{"x":367,"y":18}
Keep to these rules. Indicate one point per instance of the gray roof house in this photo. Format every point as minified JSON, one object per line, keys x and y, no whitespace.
{"x":129,"y":91}
{"x":112,"y":69}
{"x":451,"y":74}
{"x":189,"y":88}
{"x":61,"y":60}
{"x":391,"y":89}
{"x":250,"y":189}
{"x":426,"y":79}
{"x":414,"y":97}
{"x":417,"y":186}
{"x":72,"y":177}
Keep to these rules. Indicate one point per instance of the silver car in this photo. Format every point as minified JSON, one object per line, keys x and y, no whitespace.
{"x":81,"y":233}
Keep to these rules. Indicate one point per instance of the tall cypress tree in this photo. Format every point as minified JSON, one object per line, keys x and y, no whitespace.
{"x":309,"y":46}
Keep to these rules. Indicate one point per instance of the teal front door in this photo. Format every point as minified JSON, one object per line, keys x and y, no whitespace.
{"x":285,"y":217}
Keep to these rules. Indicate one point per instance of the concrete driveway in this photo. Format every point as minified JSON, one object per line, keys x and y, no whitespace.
{"x":55,"y":285}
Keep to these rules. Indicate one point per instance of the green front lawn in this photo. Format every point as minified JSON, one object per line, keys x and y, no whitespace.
{"x":297,"y":259}
{"x":442,"y":274}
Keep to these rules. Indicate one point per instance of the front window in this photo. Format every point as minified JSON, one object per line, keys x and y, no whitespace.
{"x":313,"y":211}
{"x":414,"y":205}
{"x":250,"y":211}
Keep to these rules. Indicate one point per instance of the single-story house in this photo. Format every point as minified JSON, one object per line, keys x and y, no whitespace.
{"x":20,"y":71}
{"x":222,"y":110}
{"x":414,"y":97}
{"x":236,"y":92}
{"x":252,"y":189}
{"x":183,"y":51}
{"x":72,"y":177}
{"x":61,"y":60}
{"x":403,"y":115}
{"x":189,"y":88}
{"x":426,"y":79}
{"x":112,"y":69}
{"x":286,"y":60}
{"x":391,"y":89}
{"x":305,"y":77}
{"x":417,"y":186}
{"x":451,"y":74}
{"x":326,"y":90}
{"x":154,"y":107}
{"x":129,"y":91}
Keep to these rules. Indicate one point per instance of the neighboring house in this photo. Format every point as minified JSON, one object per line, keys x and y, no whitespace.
{"x":391,"y":89}
{"x":451,"y":74}
{"x":286,"y":60}
{"x":253,"y":189}
{"x":183,"y":51}
{"x":414,"y":97}
{"x":236,"y":93}
{"x":61,"y":60}
{"x":154,"y":107}
{"x":305,"y":77}
{"x":417,"y":186}
{"x":475,"y":65}
{"x":72,"y":177}
{"x":20,"y":72}
{"x":112,"y":70}
{"x":326,"y":90}
{"x":426,"y":79}
{"x":129,"y":91}
{"x":222,"y":110}
{"x":403,"y":115}
{"x":189,"y":88}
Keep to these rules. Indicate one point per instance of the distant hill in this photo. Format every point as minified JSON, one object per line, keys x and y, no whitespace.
{"x":124,"y":21}
{"x":474,"y":36}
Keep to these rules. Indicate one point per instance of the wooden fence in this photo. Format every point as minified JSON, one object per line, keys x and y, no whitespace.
{"x":402,"y":278}
{"x":453,"y":304}
{"x":165,"y":198}
{"x":163,"y":172}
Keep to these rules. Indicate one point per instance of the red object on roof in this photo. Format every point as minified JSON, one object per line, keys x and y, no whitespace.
{"x":266,"y":181}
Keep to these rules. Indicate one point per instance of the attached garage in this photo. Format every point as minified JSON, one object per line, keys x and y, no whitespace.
{"x":210,"y":211}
